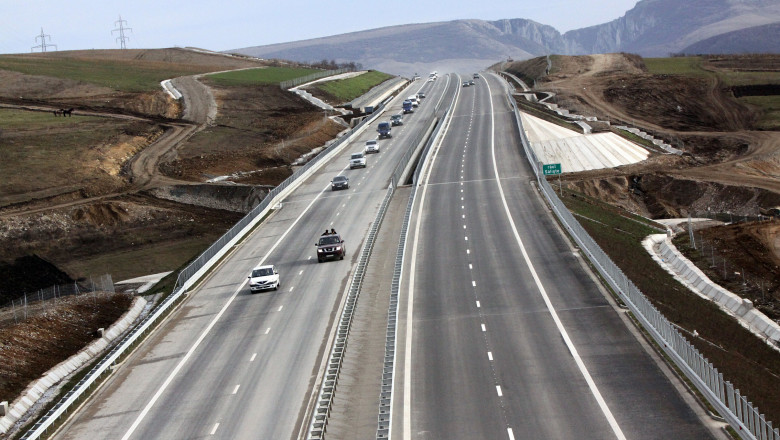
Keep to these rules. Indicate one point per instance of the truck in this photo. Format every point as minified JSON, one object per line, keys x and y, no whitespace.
{"x":407,"y":106}
{"x":384,"y":130}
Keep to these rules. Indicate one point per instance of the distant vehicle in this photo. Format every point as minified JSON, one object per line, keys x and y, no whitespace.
{"x":397,"y":120}
{"x":465,"y":83}
{"x":357,"y":160}
{"x":407,"y":106}
{"x":476,"y":76}
{"x":420,"y":95}
{"x":330,"y":246}
{"x":384,"y":130}
{"x":339,"y":182}
{"x":471,"y":82}
{"x":264,"y":278}
{"x":372,"y":146}
{"x":431,"y":79}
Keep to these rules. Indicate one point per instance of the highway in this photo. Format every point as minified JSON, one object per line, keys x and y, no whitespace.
{"x":505,"y":335}
{"x":234,"y":365}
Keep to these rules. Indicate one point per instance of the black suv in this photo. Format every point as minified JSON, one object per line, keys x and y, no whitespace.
{"x":330,"y":246}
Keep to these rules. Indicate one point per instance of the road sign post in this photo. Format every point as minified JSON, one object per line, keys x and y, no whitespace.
{"x":551,"y":169}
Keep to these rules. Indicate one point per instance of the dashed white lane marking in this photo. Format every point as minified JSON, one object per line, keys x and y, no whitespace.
{"x":467,"y":238}
{"x":254,"y":355}
{"x":464,"y":226}
{"x":468,"y":251}
{"x":214,"y":429}
{"x":498,"y":390}
{"x":510,"y":433}
{"x":235,"y":390}
{"x":280,"y":307}
{"x":478,"y":304}
{"x":470,"y":266}
{"x":291,"y":289}
{"x":301,"y":272}
{"x":462,"y":206}
{"x":464,"y":215}
{"x":307,"y":259}
{"x":543,"y":292}
{"x":473,"y":284}
{"x":484,"y":329}
{"x":268,"y":330}
{"x":490,"y":355}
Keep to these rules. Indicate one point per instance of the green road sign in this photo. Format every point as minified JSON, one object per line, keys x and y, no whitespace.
{"x":551,"y":168}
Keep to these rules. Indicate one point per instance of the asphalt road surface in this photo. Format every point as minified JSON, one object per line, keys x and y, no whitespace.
{"x":507,"y":336}
{"x":234,"y":365}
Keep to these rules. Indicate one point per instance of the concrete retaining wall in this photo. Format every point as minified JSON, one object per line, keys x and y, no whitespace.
{"x":38,"y":388}
{"x":662,"y":250}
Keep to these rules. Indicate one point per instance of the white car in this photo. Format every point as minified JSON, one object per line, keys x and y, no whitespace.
{"x":372,"y":146}
{"x":415,"y":101}
{"x":357,"y":160}
{"x":264,"y":278}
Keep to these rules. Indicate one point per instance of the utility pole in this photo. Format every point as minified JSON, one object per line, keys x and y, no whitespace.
{"x":43,"y":44}
{"x":121,"y":29}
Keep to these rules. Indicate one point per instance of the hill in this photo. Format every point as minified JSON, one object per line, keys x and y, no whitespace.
{"x":651,"y":28}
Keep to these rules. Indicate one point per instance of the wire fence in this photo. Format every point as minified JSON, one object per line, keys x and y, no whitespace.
{"x":34,"y":303}
{"x":738,"y":411}
{"x":723,"y":267}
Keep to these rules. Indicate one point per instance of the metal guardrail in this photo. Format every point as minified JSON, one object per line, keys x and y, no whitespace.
{"x":185,"y":279}
{"x":304,"y":79}
{"x":728,"y":401}
{"x":319,"y":419}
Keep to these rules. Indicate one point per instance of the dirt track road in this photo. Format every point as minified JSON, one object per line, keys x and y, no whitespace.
{"x":144,"y":168}
{"x":758,"y":167}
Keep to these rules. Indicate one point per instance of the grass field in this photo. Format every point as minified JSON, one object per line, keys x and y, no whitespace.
{"x":690,"y":66}
{"x":54,"y":150}
{"x":350,"y":88}
{"x":267,"y":75}
{"x":743,"y":359}
{"x":770,"y":105}
{"x":122,"y":75}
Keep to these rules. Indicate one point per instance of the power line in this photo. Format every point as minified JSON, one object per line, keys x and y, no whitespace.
{"x":121,"y":29}
{"x":43,"y":44}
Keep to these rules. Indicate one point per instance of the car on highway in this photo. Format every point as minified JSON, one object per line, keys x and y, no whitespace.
{"x":407,"y":106}
{"x":264,"y":278}
{"x":339,"y":182}
{"x":414,"y":100}
{"x":372,"y":146}
{"x":465,"y":83}
{"x":330,"y":246}
{"x":420,"y":95}
{"x":397,"y":119}
{"x":357,"y":160}
{"x":471,"y":82}
{"x":476,"y":76}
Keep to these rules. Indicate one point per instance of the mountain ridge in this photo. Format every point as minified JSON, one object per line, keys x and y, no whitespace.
{"x":650,"y":28}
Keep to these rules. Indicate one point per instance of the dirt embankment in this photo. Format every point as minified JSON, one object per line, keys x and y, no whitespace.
{"x":729,"y":167}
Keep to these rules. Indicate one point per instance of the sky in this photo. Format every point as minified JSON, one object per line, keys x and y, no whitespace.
{"x":215,"y":25}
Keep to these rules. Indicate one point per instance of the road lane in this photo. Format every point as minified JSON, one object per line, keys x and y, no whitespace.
{"x":265,"y":346}
{"x":585,"y":376}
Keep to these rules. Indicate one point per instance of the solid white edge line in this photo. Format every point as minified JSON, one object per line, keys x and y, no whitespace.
{"x":407,"y":419}
{"x":208,"y":328}
{"x":561,"y":329}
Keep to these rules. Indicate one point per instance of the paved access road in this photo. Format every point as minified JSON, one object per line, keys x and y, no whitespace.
{"x":507,"y":336}
{"x":234,"y":365}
